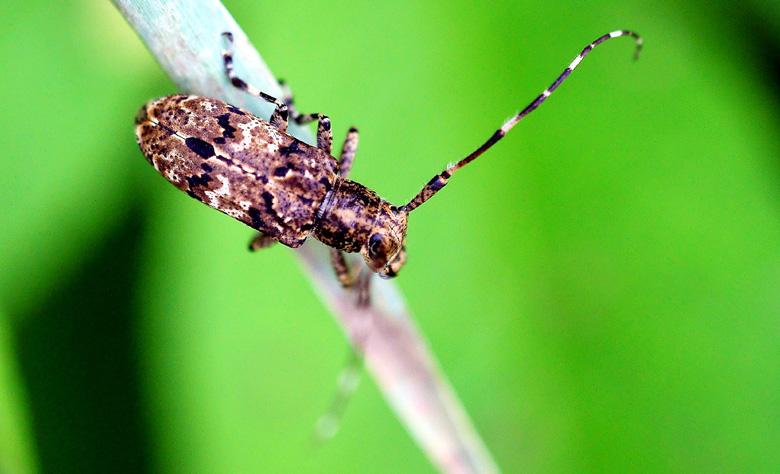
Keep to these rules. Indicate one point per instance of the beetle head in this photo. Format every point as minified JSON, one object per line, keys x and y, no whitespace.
{"x":384,"y":250}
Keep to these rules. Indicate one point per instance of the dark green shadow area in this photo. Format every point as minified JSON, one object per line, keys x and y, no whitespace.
{"x":764,"y":46}
{"x":78,"y":359}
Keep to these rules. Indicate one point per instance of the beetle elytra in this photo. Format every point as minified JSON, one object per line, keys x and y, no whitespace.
{"x":287,"y":190}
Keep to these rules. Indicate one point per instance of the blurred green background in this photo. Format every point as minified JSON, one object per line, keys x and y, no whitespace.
{"x":601,"y":288}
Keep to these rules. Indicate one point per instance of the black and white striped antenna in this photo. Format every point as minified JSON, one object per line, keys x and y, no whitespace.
{"x":440,"y":180}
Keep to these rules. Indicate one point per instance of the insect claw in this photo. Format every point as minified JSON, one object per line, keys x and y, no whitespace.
{"x":261,"y":241}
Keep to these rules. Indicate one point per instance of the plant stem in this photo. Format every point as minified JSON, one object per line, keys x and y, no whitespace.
{"x":185,"y":38}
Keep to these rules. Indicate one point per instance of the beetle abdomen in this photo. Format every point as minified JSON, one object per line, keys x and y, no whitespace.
{"x":237,"y":163}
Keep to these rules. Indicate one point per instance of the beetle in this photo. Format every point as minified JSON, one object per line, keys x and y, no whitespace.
{"x":285,"y":189}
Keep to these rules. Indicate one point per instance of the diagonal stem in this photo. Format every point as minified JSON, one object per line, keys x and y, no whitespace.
{"x":185,"y":38}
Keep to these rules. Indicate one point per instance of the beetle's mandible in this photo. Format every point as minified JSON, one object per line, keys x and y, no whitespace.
{"x":287,"y":190}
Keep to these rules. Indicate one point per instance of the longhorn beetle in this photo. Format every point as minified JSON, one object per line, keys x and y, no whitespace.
{"x":287,"y":190}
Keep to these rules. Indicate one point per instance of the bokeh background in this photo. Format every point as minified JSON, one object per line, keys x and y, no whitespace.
{"x":601,"y":288}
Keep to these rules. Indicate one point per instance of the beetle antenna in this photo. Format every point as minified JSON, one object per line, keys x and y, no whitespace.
{"x":440,"y":180}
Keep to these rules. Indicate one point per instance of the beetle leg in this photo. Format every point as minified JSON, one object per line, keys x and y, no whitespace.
{"x":348,"y":382}
{"x":279,"y":117}
{"x":361,"y":282}
{"x":363,"y":287}
{"x":287,"y":96}
{"x":341,"y":267}
{"x":349,"y":378}
{"x":261,"y":241}
{"x":324,"y":133}
{"x":348,"y":153}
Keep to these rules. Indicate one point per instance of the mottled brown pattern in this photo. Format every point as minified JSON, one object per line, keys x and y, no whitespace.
{"x":349,"y":215}
{"x":253,"y":171}
{"x":256,"y":174}
{"x":355,"y":214}
{"x":341,"y":267}
{"x":248,"y":169}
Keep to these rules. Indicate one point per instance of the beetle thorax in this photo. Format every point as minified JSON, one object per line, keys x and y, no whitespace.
{"x":354,"y":218}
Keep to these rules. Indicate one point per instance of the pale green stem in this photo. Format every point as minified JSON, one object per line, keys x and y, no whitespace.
{"x":185,"y":38}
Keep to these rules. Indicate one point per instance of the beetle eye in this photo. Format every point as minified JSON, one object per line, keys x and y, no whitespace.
{"x":377,"y":249}
{"x":375,"y":244}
